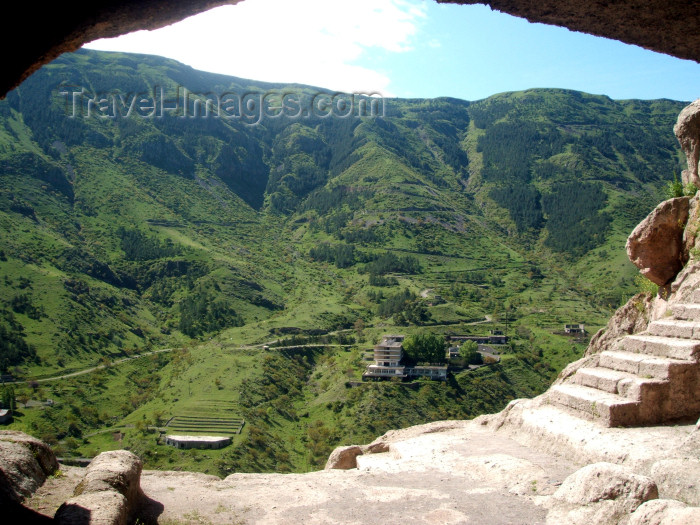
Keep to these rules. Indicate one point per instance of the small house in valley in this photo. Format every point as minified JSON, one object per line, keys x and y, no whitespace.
{"x":575,"y":328}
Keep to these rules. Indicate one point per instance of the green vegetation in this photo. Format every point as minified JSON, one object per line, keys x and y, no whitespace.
{"x":425,"y":347}
{"x":205,"y":311}
{"x":265,"y":259}
{"x":469,"y":352}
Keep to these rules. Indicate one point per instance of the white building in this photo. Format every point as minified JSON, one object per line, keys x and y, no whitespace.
{"x":211,"y":442}
{"x":387,"y":358}
{"x":387,"y":362}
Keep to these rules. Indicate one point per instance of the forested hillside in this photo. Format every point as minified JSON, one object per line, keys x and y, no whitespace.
{"x":127,"y":228}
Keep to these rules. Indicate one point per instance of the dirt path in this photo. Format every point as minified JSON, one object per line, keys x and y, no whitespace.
{"x":91,"y":369}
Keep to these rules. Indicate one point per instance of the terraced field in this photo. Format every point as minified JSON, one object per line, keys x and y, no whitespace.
{"x":211,"y":417}
{"x":210,"y":426}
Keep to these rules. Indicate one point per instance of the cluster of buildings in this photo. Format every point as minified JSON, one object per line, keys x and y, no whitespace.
{"x":387,"y":363}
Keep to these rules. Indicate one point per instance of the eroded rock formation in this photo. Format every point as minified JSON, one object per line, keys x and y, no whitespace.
{"x":66,"y":29}
{"x":25,"y":463}
{"x":632,"y":318}
{"x":656,"y":244}
{"x":110,"y":493}
{"x":665,"y":512}
{"x":687,"y":130}
{"x":343,"y":458}
{"x":600,"y":493}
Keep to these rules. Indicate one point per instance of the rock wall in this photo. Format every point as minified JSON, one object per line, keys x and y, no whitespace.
{"x":663,"y":247}
{"x":25,"y":463}
{"x":110,"y":493}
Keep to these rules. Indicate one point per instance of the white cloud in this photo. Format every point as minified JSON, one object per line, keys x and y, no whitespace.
{"x":315,"y":42}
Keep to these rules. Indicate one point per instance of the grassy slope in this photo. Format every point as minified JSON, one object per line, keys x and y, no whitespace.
{"x":413,"y":184}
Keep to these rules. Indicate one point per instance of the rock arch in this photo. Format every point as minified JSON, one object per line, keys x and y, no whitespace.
{"x":667,"y":26}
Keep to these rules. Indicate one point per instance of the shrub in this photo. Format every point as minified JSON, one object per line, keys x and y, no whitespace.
{"x":644,"y":285}
{"x":674,"y":188}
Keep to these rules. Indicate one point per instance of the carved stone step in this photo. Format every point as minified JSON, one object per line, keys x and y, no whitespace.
{"x":695,"y":297}
{"x":686,"y":349}
{"x":645,"y":366}
{"x":675,"y":328}
{"x":686,"y":311}
{"x":623,"y":384}
{"x":608,"y":409}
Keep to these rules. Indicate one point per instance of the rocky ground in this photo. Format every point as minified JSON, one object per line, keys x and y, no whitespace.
{"x":509,"y":468}
{"x":447,"y":472}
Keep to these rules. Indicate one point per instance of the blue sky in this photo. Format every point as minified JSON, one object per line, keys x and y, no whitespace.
{"x":409,"y":48}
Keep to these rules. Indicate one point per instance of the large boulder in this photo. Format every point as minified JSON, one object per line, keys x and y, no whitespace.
{"x":25,"y":463}
{"x":656,"y":244}
{"x":110,"y":490}
{"x":687,"y":130}
{"x":96,"y":508}
{"x":600,"y":493}
{"x":118,"y":470}
{"x":678,"y":479}
{"x":344,"y":458}
{"x":665,"y":512}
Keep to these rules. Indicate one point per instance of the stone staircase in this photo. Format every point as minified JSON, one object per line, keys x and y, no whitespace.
{"x":649,"y":378}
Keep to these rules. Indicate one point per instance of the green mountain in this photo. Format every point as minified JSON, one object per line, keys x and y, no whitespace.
{"x":146,"y":205}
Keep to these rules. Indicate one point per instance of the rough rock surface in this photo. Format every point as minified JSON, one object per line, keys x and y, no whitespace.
{"x":687,"y":130}
{"x":344,"y":458}
{"x":448,"y":472}
{"x":20,"y":472}
{"x":600,"y":493}
{"x":656,"y":244}
{"x":41,"y":451}
{"x":109,"y":490}
{"x":690,"y":234}
{"x":665,"y":512}
{"x":56,"y":490}
{"x":25,"y":463}
{"x":98,"y":508}
{"x":67,"y":31}
{"x":632,"y":318}
{"x":680,"y":479}
{"x":682,"y":291}
{"x":118,"y":470}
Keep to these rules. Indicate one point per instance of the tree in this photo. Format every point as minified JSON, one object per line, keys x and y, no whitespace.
{"x":469,"y":352}
{"x":359,"y":327}
{"x":425,"y":347}
{"x":8,"y":397}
